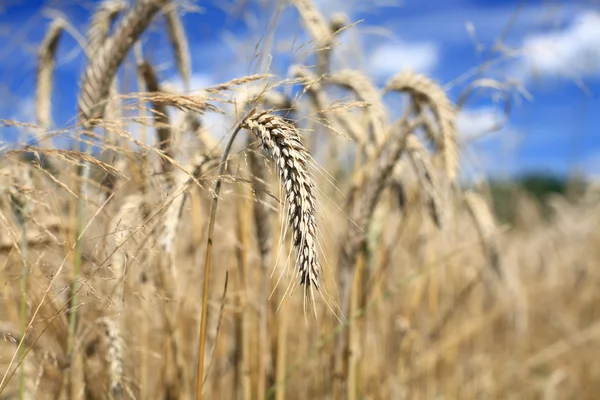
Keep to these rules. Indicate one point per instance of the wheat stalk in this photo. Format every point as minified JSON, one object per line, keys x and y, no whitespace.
{"x":425,"y":90}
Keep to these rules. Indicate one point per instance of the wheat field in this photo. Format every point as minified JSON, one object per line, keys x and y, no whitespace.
{"x":325,"y":247}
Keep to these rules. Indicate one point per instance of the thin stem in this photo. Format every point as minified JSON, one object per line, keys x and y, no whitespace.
{"x":23,"y":307}
{"x":208,"y":259}
{"x":75,"y":286}
{"x":82,"y":174}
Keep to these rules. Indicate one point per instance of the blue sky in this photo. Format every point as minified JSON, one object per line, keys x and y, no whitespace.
{"x":551,"y":49}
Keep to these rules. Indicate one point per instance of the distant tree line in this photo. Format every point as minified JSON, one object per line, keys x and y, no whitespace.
{"x":538,"y":186}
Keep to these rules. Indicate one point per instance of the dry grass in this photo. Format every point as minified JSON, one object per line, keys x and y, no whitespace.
{"x":393,"y":256}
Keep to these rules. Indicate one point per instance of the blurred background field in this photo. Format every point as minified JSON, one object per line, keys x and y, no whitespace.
{"x":431,"y":168}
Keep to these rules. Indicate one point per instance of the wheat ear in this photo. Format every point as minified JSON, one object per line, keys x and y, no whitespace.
{"x":161,"y":116}
{"x":114,"y":358}
{"x":106,"y":12}
{"x":179,"y":43}
{"x":362,"y":87}
{"x":258,"y":168}
{"x":284,"y":144}
{"x":486,"y":228}
{"x":426,"y":173}
{"x":100,"y":24}
{"x":95,"y":83}
{"x":46,"y":56}
{"x":425,"y":90}
{"x":319,"y":29}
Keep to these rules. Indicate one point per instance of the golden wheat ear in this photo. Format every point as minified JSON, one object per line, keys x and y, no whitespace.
{"x":95,"y":84}
{"x":46,"y":57}
{"x":427,"y":92}
{"x":291,"y":158}
{"x":179,"y":43}
{"x":364,"y":90}
{"x":486,"y":229}
{"x":103,"y":18}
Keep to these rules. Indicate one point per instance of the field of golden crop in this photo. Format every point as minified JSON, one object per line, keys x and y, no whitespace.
{"x":324,"y":248}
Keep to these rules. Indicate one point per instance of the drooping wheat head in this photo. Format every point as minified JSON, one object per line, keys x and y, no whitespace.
{"x":364,"y":89}
{"x":179,"y":43}
{"x":427,"y":92}
{"x":283,"y":143}
{"x":160,"y":113}
{"x":100,"y":72}
{"x":106,"y":12}
{"x":45,"y":70}
{"x":427,"y":177}
{"x":115,"y":358}
{"x":486,"y":228}
{"x":320,"y":31}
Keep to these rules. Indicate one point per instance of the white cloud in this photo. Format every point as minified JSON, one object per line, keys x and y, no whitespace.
{"x":476,"y":122}
{"x":354,"y":7}
{"x":573,"y":52}
{"x":488,"y":143}
{"x":389,"y":59}
{"x":198,"y":82}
